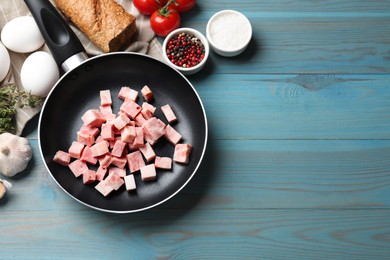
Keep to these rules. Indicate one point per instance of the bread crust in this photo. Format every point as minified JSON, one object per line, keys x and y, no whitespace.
{"x":105,"y":22}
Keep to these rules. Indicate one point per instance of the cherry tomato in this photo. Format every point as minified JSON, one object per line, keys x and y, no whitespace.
{"x":183,"y":5}
{"x":164,"y":21}
{"x":147,"y":7}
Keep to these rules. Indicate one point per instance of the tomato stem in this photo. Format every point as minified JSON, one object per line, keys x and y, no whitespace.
{"x":164,"y":10}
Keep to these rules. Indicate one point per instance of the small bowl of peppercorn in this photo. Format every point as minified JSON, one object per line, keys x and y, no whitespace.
{"x":186,"y":50}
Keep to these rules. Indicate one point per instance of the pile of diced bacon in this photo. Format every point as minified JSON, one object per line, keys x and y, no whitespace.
{"x":113,"y":143}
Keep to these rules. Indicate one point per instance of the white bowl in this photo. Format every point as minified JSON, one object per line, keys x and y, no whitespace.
{"x":200,"y":65}
{"x":228,"y":32}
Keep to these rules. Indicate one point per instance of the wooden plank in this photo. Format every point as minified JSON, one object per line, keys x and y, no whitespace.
{"x":250,"y":174}
{"x":350,"y":6}
{"x":308,"y":37}
{"x":296,"y":106}
{"x":210,"y":234}
{"x":261,"y":174}
{"x":347,"y":45}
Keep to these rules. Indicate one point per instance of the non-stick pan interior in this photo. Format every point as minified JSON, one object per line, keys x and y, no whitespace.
{"x":78,"y":91}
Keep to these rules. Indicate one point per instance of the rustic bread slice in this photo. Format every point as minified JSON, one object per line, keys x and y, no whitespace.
{"x":105,"y":22}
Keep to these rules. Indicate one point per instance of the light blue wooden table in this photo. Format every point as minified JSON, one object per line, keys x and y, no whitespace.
{"x":298,"y":160}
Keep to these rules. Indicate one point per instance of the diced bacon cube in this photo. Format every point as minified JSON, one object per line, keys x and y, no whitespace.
{"x":110,"y":117}
{"x":108,"y":131}
{"x":125,"y":150}
{"x":135,"y":161}
{"x":119,"y":162}
{"x":121,"y":112}
{"x":78,"y":167}
{"x":105,"y":160}
{"x":163,"y":163}
{"x":99,"y":139}
{"x":118,"y":148}
{"x":153,"y":129}
{"x":148,"y":152}
{"x":149,"y":107}
{"x":106,"y":111}
{"x":87,"y":156}
{"x":133,"y":146}
{"x":112,"y":142}
{"x":100,"y":173}
{"x":138,"y":140}
{"x":128,"y":134}
{"x":93,"y":118}
{"x":146,"y":113}
{"x":182,"y":153}
{"x":123,"y":92}
{"x":85,"y":138}
{"x":131,"y":108}
{"x":139,"y":136}
{"x":147,"y":110}
{"x":99,"y":148}
{"x":148,"y":172}
{"x":168,"y":113}
{"x":76,"y":149}
{"x":116,"y":170}
{"x":140,"y":120}
{"x":133,"y":95}
{"x":128,"y":93}
{"x":93,"y":131}
{"x":121,"y":121}
{"x":104,"y":188}
{"x":172,"y":135}
{"x":89,"y":176}
{"x":117,"y":132}
{"x":105,"y":97}
{"x":87,"y":135}
{"x":147,"y":93}
{"x":62,"y":158}
{"x":130,"y":182}
{"x":114,"y":180}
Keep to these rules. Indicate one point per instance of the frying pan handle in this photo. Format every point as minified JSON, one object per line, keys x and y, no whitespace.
{"x":59,"y":37}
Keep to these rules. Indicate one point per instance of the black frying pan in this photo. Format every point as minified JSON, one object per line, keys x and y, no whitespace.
{"x":78,"y":90}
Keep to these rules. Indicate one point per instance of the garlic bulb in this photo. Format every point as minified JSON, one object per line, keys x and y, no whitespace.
{"x":4,"y":185}
{"x":15,"y":153}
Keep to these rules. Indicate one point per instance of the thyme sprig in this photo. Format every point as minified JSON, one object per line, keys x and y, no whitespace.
{"x":11,"y":98}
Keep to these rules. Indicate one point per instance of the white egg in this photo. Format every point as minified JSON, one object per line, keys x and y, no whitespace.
{"x":5,"y":62}
{"x":22,"y":35}
{"x":39,"y":73}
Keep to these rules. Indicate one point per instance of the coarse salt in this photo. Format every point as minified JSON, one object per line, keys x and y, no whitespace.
{"x":230,"y":30}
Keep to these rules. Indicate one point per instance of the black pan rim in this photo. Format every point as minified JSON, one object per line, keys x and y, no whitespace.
{"x":142,"y":208}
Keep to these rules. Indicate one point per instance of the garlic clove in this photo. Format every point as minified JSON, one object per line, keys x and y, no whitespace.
{"x":4,"y":185}
{"x":15,"y":153}
{"x":3,"y":189}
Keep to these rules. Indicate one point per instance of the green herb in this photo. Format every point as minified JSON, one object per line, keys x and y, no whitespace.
{"x":10,"y":99}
